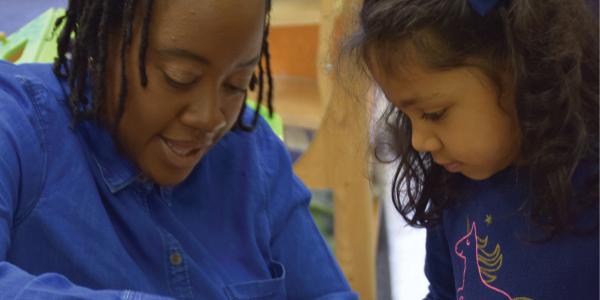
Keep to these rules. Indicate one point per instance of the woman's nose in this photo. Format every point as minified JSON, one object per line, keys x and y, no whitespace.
{"x":204,"y":114}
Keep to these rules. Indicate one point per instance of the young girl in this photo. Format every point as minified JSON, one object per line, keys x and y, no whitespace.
{"x":130,"y":169}
{"x":494,"y":120}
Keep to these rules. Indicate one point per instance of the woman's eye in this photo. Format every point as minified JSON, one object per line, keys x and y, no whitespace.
{"x":434,"y":116}
{"x":179,"y":82}
{"x":235,"y":89}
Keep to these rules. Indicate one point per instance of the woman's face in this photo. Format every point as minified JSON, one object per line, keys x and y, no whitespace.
{"x":200,"y":59}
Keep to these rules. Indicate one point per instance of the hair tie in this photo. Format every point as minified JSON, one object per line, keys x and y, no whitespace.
{"x":483,"y":7}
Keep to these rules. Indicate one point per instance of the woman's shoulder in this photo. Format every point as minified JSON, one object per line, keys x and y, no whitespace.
{"x":31,"y":90}
{"x":259,"y":152}
{"x":262,"y":142}
{"x":23,"y":138}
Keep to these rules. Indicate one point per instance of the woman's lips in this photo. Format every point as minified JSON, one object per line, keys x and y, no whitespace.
{"x":183,"y":148}
{"x":181,"y":153}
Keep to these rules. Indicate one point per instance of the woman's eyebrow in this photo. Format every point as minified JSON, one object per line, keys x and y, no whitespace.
{"x":250,"y":63}
{"x":183,"y":53}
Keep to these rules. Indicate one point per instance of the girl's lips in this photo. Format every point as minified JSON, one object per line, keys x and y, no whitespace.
{"x":452,"y":167}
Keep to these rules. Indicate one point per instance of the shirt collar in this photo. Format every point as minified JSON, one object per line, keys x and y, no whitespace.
{"x":116,"y":170}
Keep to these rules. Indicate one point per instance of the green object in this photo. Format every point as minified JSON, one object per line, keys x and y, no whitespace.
{"x":275,"y":121}
{"x":321,"y":209}
{"x":36,"y":42}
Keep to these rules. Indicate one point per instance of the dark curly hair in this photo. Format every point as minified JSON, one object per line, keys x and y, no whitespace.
{"x":550,"y":49}
{"x":84,"y":39}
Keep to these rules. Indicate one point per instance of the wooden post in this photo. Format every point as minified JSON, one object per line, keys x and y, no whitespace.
{"x":337,"y":157}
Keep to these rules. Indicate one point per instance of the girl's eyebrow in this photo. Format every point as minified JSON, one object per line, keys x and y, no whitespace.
{"x":183,"y":53}
{"x":406,"y":103}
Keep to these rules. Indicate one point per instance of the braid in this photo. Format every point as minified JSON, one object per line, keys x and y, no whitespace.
{"x":264,"y":63}
{"x":144,"y":45}
{"x":99,"y":63}
{"x":77,"y":79}
{"x":127,"y":30}
{"x":83,"y":48}
{"x":64,"y":40}
{"x":267,"y":55}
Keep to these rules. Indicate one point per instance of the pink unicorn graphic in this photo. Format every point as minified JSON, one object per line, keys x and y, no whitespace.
{"x":467,"y":248}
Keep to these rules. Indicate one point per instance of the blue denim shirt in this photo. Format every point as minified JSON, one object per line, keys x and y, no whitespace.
{"x":77,"y":221}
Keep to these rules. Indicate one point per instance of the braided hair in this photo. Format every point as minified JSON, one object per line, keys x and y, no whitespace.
{"x":84,"y":41}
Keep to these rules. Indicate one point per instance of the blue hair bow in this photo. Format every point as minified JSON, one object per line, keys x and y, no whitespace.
{"x":483,"y":7}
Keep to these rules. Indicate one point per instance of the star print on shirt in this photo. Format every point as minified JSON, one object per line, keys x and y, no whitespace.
{"x":488,"y":219}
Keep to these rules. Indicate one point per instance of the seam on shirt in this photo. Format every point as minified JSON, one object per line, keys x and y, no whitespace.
{"x":33,"y":91}
{"x":165,"y":263}
{"x":186,"y":270}
{"x":131,"y":295}
{"x":265,"y":178}
{"x":323,"y":244}
{"x":187,"y":274}
{"x":3,"y":163}
{"x":272,"y":150}
{"x":125,"y":295}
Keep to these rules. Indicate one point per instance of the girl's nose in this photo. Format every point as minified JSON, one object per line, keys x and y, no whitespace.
{"x":425,"y":140}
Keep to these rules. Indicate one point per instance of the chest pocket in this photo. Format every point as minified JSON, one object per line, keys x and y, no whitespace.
{"x":269,"y":289}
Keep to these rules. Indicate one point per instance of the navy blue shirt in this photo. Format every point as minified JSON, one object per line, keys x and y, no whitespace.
{"x":487,"y":249}
{"x":78,"y":221}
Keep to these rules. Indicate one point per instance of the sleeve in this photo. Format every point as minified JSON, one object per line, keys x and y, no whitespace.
{"x":21,"y":179}
{"x":438,"y":266}
{"x":311,"y":270}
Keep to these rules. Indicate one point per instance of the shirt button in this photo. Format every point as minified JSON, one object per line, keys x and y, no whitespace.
{"x":176,"y":259}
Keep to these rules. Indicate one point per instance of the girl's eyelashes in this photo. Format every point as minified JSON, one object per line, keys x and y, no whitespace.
{"x":434,"y":116}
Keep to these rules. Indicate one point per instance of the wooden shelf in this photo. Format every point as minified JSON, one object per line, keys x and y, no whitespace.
{"x":295,"y":12}
{"x":297,"y":101}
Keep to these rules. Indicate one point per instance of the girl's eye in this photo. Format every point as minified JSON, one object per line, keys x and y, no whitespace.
{"x":434,"y":116}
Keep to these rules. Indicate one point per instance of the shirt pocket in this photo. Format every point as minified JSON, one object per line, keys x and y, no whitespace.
{"x":268,"y":289}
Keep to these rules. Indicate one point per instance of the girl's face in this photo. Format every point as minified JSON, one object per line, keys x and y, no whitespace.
{"x":456,"y":116}
{"x":200,"y":60}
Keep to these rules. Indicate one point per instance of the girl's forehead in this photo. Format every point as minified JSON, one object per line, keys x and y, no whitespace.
{"x":395,"y":58}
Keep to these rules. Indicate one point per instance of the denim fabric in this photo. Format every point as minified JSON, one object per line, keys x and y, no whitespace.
{"x":77,"y":221}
